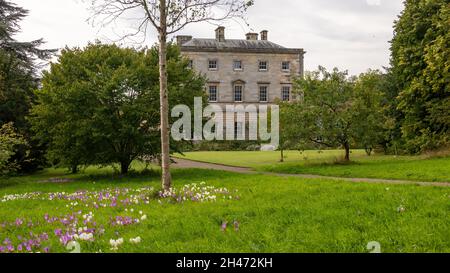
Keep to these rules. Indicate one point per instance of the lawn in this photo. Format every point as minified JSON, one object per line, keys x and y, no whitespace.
{"x":263,"y":214}
{"x":327,"y":163}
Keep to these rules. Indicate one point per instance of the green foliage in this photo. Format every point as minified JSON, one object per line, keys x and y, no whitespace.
{"x":421,"y":64}
{"x":19,"y":63}
{"x":326,"y":115}
{"x":9,"y":142}
{"x":101,"y":104}
{"x":371,"y":126}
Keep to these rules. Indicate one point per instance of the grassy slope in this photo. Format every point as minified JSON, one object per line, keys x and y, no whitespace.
{"x":312,"y":162}
{"x":275,"y":214}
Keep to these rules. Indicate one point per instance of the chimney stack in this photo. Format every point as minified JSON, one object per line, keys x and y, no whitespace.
{"x":264,"y":35}
{"x":220,"y":34}
{"x":182,"y":39}
{"x":252,"y":36}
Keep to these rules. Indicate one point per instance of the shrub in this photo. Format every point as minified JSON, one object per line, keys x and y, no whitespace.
{"x":9,"y":142}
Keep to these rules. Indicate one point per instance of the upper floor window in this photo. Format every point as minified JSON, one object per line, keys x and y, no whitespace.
{"x":212,"y":93}
{"x":263,"y":93}
{"x":263,"y":65}
{"x":285,"y":66}
{"x":238,"y":93}
{"x":237,"y":65}
{"x":212,"y":65}
{"x":286,"y":93}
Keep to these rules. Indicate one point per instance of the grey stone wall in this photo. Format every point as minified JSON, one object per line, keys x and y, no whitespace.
{"x":224,"y":77}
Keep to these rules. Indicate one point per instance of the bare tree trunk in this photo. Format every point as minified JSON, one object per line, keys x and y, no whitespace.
{"x":282,"y":155}
{"x":164,"y":100}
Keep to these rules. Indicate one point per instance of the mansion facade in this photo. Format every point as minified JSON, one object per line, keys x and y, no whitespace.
{"x":247,"y":71}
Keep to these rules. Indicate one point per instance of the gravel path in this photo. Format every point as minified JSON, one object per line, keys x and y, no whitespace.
{"x":189,"y":164}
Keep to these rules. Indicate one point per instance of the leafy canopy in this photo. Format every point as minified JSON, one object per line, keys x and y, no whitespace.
{"x":101,"y":104}
{"x":421,"y":65}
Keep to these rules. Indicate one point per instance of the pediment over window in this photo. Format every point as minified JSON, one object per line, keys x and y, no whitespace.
{"x":238,"y":82}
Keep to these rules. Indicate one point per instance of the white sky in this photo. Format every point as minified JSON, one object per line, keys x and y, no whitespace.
{"x":348,"y":34}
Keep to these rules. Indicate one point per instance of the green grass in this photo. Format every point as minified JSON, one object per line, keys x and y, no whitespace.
{"x":327,"y":163}
{"x":275,"y":214}
{"x":258,"y":159}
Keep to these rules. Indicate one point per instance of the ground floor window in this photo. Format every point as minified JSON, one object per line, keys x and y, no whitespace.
{"x":213,"y":93}
{"x":238,"y":129}
{"x":286,"y":93}
{"x":238,"y":93}
{"x":263,"y":93}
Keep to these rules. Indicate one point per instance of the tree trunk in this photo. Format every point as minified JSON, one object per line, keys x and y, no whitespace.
{"x":74,"y":169}
{"x":164,"y":100}
{"x":124,"y":167}
{"x":347,"y":152}
{"x":282,"y":155}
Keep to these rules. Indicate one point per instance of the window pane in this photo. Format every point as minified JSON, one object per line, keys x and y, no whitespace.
{"x":285,"y":66}
{"x":212,"y":64}
{"x":286,"y":93}
{"x":238,"y":93}
{"x":238,"y":130}
{"x":237,"y":65}
{"x":263,"y":65}
{"x":263,"y":93}
{"x":213,"y":93}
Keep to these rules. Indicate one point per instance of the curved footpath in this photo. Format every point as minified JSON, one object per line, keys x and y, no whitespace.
{"x":190,"y":164}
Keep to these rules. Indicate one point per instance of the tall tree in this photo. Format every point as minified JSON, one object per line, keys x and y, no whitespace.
{"x":326,"y":114}
{"x":19,"y":68}
{"x":168,"y":17}
{"x":337,"y":110}
{"x":370,"y":123}
{"x":100,"y":105}
{"x":421,"y":65}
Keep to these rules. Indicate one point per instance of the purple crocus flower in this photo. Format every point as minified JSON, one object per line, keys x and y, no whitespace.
{"x":19,"y":222}
{"x":58,"y":232}
{"x":224,"y":226}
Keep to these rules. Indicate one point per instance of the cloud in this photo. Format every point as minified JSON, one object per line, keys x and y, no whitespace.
{"x":349,"y":34}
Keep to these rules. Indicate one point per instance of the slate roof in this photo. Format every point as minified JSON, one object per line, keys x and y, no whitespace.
{"x":234,"y":45}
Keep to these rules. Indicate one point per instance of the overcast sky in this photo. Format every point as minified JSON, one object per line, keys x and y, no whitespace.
{"x":348,"y":34}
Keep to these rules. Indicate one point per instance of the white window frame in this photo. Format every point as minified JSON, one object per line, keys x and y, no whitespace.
{"x":263,"y":69}
{"x":286,"y":89}
{"x":216,"y":91}
{"x":241,"y":92}
{"x":288,"y":65}
{"x":266,"y":91}
{"x":234,"y":65}
{"x":213,"y":68}
{"x":238,"y":129}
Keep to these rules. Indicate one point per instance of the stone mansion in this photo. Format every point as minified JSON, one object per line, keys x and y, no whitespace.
{"x":244,"y":71}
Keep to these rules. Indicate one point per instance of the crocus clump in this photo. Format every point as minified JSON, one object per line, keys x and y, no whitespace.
{"x":196,"y":193}
{"x":87,"y":217}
